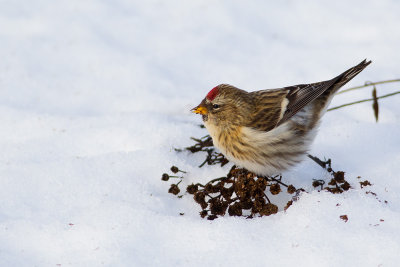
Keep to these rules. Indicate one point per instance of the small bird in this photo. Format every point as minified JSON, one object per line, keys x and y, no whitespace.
{"x":268,"y":131}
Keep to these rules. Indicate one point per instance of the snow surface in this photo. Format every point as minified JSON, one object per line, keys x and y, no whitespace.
{"x":94,"y":96}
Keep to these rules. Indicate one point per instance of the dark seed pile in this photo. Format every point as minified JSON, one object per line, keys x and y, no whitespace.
{"x":237,"y":193}
{"x":242,"y":193}
{"x":337,"y":184}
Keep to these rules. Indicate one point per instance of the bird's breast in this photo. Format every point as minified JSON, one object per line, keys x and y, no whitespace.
{"x":230,"y":140}
{"x":262,"y":152}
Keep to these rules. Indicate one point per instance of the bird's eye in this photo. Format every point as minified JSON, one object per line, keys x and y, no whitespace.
{"x":215,"y":106}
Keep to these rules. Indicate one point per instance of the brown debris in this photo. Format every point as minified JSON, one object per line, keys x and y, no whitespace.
{"x":174,"y":189}
{"x":235,"y":209}
{"x":375,"y":105}
{"x":345,"y":186}
{"x":174,"y":169}
{"x":200,"y":198}
{"x":203,"y":213}
{"x":288,"y":204}
{"x":365,"y":183}
{"x":191,"y":189}
{"x":339,"y":176}
{"x":269,"y":209}
{"x":338,"y":183}
{"x":291,"y":189}
{"x":243,"y":193}
{"x":238,"y":193}
{"x":205,"y":144}
{"x":344,"y":218}
{"x":275,"y":189}
{"x":334,"y":190}
{"x":317,"y":183}
{"x":165,"y":177}
{"x":212,"y":217}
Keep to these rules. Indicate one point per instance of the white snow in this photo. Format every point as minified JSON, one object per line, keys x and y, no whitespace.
{"x":94,"y":96}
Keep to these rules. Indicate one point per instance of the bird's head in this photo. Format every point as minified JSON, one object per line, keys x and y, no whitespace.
{"x":224,"y":105}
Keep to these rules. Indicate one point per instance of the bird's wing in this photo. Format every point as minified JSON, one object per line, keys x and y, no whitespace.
{"x":301,"y":95}
{"x":268,"y":108}
{"x":274,"y":107}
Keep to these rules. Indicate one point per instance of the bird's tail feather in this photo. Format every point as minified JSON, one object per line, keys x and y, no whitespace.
{"x":349,"y":74}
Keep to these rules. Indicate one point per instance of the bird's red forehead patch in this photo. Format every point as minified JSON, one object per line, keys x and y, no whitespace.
{"x":212,"y":94}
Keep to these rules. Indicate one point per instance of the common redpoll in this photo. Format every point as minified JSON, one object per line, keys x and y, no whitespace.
{"x":268,"y":131}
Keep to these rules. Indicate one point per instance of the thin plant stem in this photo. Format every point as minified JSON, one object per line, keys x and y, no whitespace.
{"x":269,"y":201}
{"x":364,"y":100}
{"x":276,"y":180}
{"x":366,"y":85}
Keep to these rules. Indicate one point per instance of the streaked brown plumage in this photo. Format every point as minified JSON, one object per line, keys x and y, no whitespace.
{"x":268,"y":131}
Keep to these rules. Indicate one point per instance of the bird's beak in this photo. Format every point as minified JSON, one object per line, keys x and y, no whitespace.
{"x":200,"y":109}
